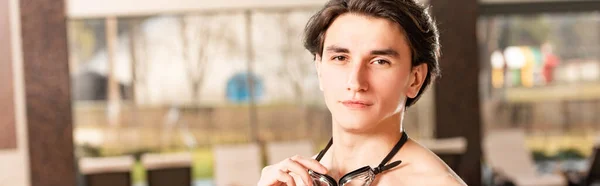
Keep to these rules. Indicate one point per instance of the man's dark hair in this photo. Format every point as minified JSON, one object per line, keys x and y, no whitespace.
{"x":418,"y":26}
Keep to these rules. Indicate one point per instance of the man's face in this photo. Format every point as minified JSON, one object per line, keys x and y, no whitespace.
{"x":365,"y":71}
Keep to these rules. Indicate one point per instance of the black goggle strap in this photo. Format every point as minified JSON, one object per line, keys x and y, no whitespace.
{"x":322,"y":153}
{"x":382,"y":167}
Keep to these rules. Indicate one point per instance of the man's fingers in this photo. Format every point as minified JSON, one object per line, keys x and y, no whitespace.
{"x":290,"y":165}
{"x":286,"y":178}
{"x":310,"y":163}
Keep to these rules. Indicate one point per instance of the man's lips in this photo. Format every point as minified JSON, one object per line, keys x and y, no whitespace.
{"x":357,"y":103}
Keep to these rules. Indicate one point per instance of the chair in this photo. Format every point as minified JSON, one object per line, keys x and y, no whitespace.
{"x":506,"y":153}
{"x":237,"y":165}
{"x":168,"y":169}
{"x":278,"y":151}
{"x":109,"y":171}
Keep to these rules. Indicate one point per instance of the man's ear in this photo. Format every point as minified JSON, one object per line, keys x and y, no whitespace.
{"x":416,"y":80}
{"x":318,"y":67}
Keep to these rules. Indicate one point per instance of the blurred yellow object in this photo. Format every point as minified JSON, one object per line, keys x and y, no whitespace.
{"x":527,"y":69}
{"x":498,"y":78}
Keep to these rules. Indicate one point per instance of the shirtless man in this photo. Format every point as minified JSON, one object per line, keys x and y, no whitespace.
{"x":374,"y":59}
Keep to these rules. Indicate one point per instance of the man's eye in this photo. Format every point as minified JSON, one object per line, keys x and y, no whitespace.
{"x":382,"y":62}
{"x":339,"y":58}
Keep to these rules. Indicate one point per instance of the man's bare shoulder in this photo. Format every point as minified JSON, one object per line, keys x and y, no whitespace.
{"x":419,"y":166}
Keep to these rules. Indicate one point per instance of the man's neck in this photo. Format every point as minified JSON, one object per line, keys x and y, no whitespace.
{"x":351,"y":150}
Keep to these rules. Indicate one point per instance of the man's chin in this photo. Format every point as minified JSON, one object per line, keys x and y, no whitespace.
{"x":356,"y":126}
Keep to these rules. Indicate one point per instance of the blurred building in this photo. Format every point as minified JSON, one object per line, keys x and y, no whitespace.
{"x":90,"y":79}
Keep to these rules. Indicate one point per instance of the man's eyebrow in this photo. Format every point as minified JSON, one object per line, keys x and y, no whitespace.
{"x":337,"y":49}
{"x":385,"y":52}
{"x":381,"y":52}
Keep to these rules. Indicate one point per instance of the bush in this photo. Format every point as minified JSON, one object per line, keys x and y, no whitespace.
{"x":539,"y":155}
{"x":569,"y":154}
{"x":87,"y":150}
